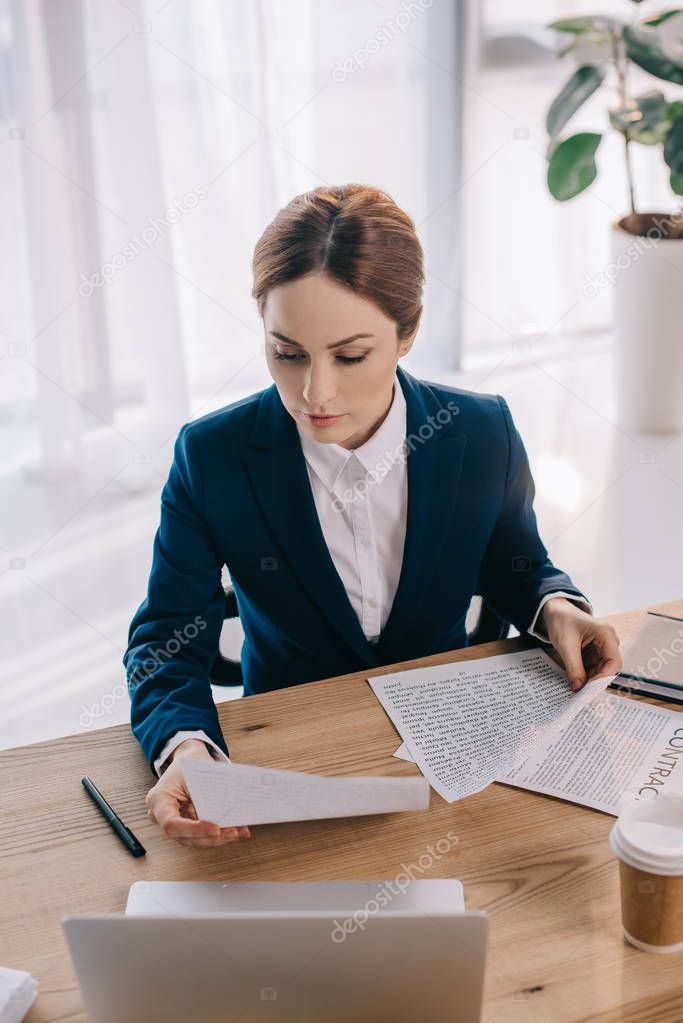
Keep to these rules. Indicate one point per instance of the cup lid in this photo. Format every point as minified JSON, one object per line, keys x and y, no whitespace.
{"x":649,"y":834}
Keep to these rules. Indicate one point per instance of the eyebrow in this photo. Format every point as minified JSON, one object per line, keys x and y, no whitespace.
{"x":335,"y":344}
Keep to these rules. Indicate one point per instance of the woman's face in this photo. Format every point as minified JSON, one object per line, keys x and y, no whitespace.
{"x":331,"y":354}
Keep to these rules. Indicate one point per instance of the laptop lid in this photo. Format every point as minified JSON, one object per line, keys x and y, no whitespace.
{"x":344,"y":964}
{"x":399,"y":894}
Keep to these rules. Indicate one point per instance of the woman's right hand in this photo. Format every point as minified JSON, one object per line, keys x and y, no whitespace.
{"x":169,"y":804}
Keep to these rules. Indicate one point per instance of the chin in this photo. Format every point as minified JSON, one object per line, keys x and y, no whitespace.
{"x":328,"y":435}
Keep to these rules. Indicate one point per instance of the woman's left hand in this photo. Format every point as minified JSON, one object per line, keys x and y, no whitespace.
{"x":588,"y":646}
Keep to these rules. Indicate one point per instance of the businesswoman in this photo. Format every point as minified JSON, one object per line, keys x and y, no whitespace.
{"x":357,"y":508}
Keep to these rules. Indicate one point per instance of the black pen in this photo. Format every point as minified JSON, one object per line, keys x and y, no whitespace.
{"x":125,"y":834}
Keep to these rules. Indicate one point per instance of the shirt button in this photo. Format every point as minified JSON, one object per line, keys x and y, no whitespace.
{"x":371,"y":602}
{"x":364,"y":541}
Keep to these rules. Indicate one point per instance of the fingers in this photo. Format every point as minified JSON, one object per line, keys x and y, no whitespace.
{"x":169,"y":805}
{"x":609,"y":646}
{"x":227,"y":835}
{"x":600,"y":656}
{"x":164,"y":810}
{"x":611,"y":666}
{"x":608,"y":659}
{"x":570,"y":652}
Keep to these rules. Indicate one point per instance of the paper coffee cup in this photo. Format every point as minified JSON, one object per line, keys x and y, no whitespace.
{"x":648,"y":839}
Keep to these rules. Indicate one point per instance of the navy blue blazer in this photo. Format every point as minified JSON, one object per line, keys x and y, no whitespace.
{"x":238,"y":494}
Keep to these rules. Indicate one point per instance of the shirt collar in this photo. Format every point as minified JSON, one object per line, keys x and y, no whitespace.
{"x":328,"y":460}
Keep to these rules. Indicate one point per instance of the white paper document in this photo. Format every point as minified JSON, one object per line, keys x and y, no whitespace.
{"x":231,"y":794}
{"x":602,"y":751}
{"x":614,"y":750}
{"x":18,"y":990}
{"x":468,"y":722}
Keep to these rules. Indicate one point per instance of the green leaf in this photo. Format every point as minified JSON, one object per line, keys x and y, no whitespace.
{"x":646,"y":118}
{"x":673,"y":147}
{"x":659,"y":19}
{"x":644,"y":48}
{"x":586,"y":23}
{"x":675,"y":110}
{"x":572,"y":167}
{"x":676,"y":181}
{"x":568,"y":48}
{"x":573,"y":95}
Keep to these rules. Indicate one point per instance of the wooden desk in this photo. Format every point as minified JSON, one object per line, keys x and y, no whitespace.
{"x":540,"y":867}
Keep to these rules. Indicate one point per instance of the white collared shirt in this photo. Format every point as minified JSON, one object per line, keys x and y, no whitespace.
{"x":361,"y":497}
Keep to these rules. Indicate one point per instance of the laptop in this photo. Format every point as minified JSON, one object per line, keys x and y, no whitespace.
{"x":277,"y":952}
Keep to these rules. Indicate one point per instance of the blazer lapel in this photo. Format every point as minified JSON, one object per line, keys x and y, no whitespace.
{"x":434,"y":464}
{"x":277,"y":469}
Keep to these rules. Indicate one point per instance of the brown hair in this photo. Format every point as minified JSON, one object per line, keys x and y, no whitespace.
{"x":356,"y":234}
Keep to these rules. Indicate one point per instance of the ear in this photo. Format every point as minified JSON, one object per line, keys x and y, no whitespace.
{"x":406,"y":344}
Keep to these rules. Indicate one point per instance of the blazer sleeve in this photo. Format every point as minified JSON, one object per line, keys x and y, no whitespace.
{"x":516,"y":572}
{"x":173,"y":636}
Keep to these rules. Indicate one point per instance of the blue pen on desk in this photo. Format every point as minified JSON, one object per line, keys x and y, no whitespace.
{"x":125,"y":834}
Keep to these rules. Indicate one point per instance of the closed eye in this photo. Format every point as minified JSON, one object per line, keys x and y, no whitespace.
{"x":347,"y":360}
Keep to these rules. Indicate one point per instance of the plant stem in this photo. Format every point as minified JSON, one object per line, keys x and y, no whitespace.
{"x":620,"y":65}
{"x":629,"y":173}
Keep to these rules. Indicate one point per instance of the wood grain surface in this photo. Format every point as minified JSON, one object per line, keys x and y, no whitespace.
{"x":540,"y":867}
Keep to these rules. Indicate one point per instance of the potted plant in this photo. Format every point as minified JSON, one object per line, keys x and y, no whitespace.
{"x":647,"y":247}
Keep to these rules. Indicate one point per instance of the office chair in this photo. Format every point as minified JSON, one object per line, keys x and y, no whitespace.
{"x":225,"y":672}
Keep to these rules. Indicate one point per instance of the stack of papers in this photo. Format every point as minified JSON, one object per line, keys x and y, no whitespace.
{"x":234,"y":794}
{"x":18,"y":992}
{"x":512,"y":718}
{"x":467,"y":722}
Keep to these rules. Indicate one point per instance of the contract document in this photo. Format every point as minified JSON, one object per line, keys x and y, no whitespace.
{"x":614,"y":750}
{"x":512,"y":718}
{"x":233,"y":794}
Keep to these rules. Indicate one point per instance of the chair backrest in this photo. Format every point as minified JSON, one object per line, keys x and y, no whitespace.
{"x":488,"y":627}
{"x":225,"y":672}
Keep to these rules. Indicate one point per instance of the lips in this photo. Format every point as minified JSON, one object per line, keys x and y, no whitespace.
{"x":323,"y":420}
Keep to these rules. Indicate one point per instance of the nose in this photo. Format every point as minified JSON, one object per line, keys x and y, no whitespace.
{"x":319,"y":386}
